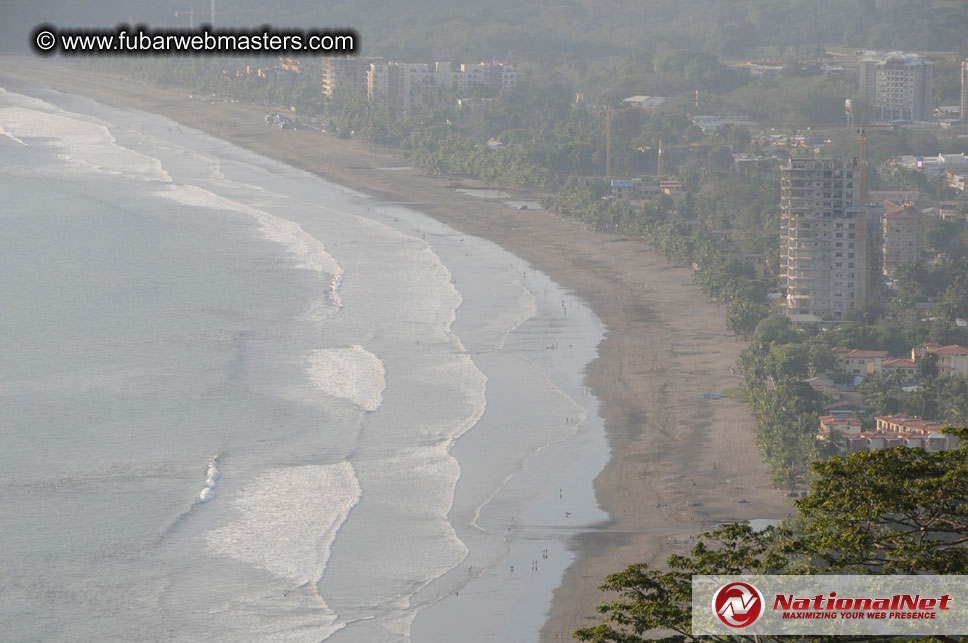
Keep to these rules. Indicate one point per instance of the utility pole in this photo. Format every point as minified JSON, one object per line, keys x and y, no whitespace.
{"x":213,"y":14}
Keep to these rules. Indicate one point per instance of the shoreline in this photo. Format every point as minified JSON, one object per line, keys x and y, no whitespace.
{"x":678,"y":460}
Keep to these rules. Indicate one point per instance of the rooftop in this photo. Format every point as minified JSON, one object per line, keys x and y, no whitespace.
{"x":907,"y":422}
{"x":953,"y":349}
{"x":896,"y":211}
{"x":858,"y":354}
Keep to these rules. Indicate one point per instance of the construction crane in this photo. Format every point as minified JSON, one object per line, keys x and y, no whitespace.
{"x":608,"y":136}
{"x":861,"y":145}
{"x":608,"y":143}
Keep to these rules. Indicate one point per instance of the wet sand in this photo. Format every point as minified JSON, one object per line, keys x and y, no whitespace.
{"x":679,"y":460}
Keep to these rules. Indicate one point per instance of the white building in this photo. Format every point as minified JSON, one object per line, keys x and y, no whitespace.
{"x":405,"y":86}
{"x":897,"y":86}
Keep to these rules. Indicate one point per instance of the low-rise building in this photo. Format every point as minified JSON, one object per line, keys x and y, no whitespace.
{"x":934,"y":166}
{"x":956,"y":180}
{"x":707,"y":122}
{"x":645,"y":102}
{"x":671,"y":187}
{"x":906,"y":424}
{"x":907,"y":368}
{"x":624,"y":190}
{"x":952,"y":360}
{"x":891,"y":431}
{"x":859,"y":362}
{"x":844,"y":424}
{"x":846,"y":406}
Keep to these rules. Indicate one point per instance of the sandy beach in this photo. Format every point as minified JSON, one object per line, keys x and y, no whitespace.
{"x":679,"y":460}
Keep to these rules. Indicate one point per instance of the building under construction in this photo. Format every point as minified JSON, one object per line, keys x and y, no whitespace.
{"x":824,"y":254}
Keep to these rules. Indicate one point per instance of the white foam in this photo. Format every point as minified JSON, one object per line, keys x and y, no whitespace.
{"x":87,"y":146}
{"x":287,"y":519}
{"x":351,"y":373}
{"x":4,"y":132}
{"x":211,"y":479}
{"x":308,"y":250}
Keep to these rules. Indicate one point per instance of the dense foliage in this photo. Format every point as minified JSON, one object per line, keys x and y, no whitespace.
{"x":854,"y":520}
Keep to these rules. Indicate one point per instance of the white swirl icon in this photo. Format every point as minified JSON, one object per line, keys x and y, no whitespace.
{"x":45,"y":40}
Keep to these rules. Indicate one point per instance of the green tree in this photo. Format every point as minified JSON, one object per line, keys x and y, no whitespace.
{"x":888,"y":511}
{"x":743,"y":316}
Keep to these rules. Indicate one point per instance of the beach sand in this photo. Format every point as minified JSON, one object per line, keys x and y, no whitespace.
{"x":678,"y":459}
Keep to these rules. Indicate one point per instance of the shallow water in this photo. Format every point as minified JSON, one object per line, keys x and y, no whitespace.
{"x":395,"y":410}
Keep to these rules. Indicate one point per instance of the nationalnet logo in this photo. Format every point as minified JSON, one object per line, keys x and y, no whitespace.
{"x":899,"y":606}
{"x":738,"y":604}
{"x":830,"y":605}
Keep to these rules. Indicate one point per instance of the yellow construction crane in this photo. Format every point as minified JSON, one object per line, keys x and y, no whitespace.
{"x":608,"y":137}
{"x":861,"y":146}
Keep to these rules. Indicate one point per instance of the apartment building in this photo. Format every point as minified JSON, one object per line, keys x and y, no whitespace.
{"x":897,"y":86}
{"x":964,"y":90}
{"x":823,"y":239}
{"x":344,"y":76}
{"x":405,"y":86}
{"x":400,"y":85}
{"x":859,"y":362}
{"x":952,"y":360}
{"x":900,"y":236}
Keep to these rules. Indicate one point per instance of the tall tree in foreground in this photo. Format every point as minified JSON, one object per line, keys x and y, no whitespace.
{"x":892,"y":511}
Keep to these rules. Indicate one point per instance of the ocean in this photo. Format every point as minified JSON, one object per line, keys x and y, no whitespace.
{"x":240,"y":403}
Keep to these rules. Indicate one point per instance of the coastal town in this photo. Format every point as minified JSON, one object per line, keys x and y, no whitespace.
{"x":513,"y":323}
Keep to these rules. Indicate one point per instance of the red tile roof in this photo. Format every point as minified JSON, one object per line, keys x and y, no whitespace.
{"x":899,"y":363}
{"x":953,"y":349}
{"x":894,"y":211}
{"x":916,"y":425}
{"x":857,"y":353}
{"x":849,"y":420}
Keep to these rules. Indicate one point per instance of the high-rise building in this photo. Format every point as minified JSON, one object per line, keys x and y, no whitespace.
{"x":405,"y":86}
{"x":399,"y":85}
{"x":823,"y":238}
{"x":344,"y":76}
{"x":897,"y":86}
{"x":964,"y":90}
{"x":900,"y":236}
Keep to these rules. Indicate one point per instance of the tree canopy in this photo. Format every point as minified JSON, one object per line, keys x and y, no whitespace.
{"x":892,"y":511}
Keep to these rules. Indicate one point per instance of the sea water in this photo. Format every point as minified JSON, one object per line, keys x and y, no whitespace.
{"x":240,"y":403}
